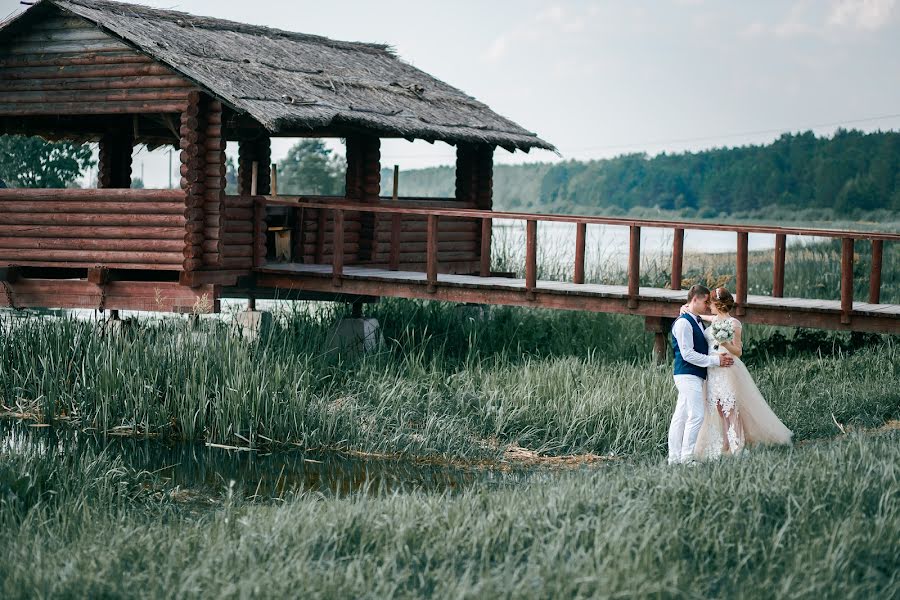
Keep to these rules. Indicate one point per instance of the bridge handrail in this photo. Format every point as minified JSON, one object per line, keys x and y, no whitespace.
{"x":388,"y":207}
{"x":433,"y":214}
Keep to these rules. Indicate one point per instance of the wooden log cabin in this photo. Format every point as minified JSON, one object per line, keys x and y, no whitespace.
{"x":123,"y":75}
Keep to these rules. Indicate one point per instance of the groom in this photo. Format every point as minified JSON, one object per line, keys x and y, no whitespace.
{"x":691,"y":360}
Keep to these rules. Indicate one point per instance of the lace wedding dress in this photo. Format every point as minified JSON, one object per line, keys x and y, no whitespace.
{"x":736,"y":414}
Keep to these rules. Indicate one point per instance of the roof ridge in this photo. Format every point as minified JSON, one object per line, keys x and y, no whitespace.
{"x":185,"y":19}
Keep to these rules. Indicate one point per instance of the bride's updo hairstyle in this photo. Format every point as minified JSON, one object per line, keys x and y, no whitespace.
{"x":722,"y":300}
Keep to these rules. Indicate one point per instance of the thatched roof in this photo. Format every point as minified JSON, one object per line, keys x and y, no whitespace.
{"x":290,"y":81}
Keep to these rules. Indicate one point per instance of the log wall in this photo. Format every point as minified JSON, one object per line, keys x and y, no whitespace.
{"x":122,"y":229}
{"x":65,"y":65}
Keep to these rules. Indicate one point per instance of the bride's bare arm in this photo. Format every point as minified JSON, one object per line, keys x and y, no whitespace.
{"x":735,"y":346}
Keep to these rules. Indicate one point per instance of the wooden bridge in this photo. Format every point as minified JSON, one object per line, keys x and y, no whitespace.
{"x":124,"y":75}
{"x":384,"y":277}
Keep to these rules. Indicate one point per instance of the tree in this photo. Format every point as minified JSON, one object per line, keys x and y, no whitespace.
{"x":35,"y":163}
{"x":310,"y":168}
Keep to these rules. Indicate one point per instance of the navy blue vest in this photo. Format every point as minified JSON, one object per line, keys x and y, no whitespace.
{"x":682,"y":367}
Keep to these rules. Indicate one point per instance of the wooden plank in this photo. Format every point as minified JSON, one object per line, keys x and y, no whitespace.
{"x":37,"y":245}
{"x":580,"y":240}
{"x":99,"y":84}
{"x":484,"y":267}
{"x":634,"y":265}
{"x":741,"y":274}
{"x":530,"y":257}
{"x":115,"y":233}
{"x":92,"y":108}
{"x":98,"y":208}
{"x":97,"y":257}
{"x":36,"y":219}
{"x":846,"y":279}
{"x":778,"y":276}
{"x":677,"y":258}
{"x":432,"y":251}
{"x":337,"y":268}
{"x":875,"y":273}
{"x":90,"y":195}
{"x":395,"y":239}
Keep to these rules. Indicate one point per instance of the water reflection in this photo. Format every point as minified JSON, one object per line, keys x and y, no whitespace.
{"x":256,"y":474}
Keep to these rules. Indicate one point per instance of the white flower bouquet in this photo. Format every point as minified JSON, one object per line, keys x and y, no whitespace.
{"x":723,"y":331}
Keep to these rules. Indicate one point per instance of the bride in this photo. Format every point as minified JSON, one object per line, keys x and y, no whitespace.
{"x":736,"y":413}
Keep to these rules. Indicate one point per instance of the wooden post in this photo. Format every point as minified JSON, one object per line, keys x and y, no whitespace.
{"x":321,"y":225}
{"x":530,"y":258}
{"x":634,"y":266}
{"x":875,"y":277}
{"x":778,"y":277}
{"x":274,"y":180}
{"x":485,"y":266}
{"x":431,"y":254}
{"x":396,"y":195}
{"x":337,"y":269}
{"x":193,"y":179}
{"x":580,"y":237}
{"x":395,"y":242}
{"x":260,"y":231}
{"x":677,"y":258}
{"x":846,"y":280}
{"x":743,"y":240}
{"x":660,"y":327}
{"x":254,"y":178}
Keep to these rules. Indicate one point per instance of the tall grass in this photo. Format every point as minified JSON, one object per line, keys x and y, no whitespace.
{"x":817,"y":521}
{"x":441,"y":385}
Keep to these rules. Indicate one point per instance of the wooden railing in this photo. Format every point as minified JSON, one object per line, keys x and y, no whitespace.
{"x":115,"y":228}
{"x":433,"y":215}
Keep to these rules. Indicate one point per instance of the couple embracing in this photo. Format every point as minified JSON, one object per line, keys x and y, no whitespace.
{"x":719,"y":409}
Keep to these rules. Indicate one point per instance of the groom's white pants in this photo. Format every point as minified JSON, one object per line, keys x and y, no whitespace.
{"x":688,"y":418}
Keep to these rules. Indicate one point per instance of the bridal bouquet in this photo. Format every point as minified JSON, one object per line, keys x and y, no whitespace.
{"x":723,"y":331}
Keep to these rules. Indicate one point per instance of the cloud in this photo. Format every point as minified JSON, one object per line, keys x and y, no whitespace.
{"x":807,"y":18}
{"x":861,"y":14}
{"x":552,"y":20}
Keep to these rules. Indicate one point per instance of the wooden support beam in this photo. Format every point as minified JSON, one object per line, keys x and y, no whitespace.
{"x":274,"y":180}
{"x":337,"y":269}
{"x":396,"y":193}
{"x":741,"y":276}
{"x":485,"y":252}
{"x":98,"y":275}
{"x":530,"y":258}
{"x":875,"y":276}
{"x":677,"y":258}
{"x":634,"y":265}
{"x":778,"y":276}
{"x":846,"y":279}
{"x":431,"y":252}
{"x":395,"y":240}
{"x":321,"y":224}
{"x":580,"y":241}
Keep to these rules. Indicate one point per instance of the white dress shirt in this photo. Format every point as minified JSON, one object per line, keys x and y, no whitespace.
{"x":684,"y":335}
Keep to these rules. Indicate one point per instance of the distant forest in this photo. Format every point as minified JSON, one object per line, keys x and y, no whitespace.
{"x":797,"y":176}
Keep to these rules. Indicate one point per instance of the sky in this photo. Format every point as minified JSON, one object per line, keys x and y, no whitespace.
{"x":603,"y":78}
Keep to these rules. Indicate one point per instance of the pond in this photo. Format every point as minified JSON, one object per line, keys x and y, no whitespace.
{"x":211,"y":470}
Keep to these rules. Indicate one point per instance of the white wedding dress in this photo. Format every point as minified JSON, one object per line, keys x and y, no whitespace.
{"x":736,"y":414}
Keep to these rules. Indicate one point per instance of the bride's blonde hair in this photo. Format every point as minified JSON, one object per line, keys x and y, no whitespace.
{"x":722,"y":300}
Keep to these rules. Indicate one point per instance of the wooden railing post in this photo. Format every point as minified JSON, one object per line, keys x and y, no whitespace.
{"x":677,"y":258}
{"x":259,"y":232}
{"x":395,"y":242}
{"x":321,"y":225}
{"x":530,"y":258}
{"x":634,"y":265}
{"x":486,"y":229}
{"x":778,"y":273}
{"x":431,"y":254}
{"x":846,"y":279}
{"x":337,"y":269}
{"x":743,"y":242}
{"x":580,"y":240}
{"x":875,"y":277}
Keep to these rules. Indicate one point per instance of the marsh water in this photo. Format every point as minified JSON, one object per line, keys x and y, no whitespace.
{"x":211,"y":470}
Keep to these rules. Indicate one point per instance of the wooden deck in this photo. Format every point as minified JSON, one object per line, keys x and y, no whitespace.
{"x":651,"y":302}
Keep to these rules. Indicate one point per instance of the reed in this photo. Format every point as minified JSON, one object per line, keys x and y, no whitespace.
{"x":820,"y":520}
{"x":440,"y":385}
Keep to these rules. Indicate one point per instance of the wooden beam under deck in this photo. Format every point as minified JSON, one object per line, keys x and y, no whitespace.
{"x":154,"y":296}
{"x":653,"y":302}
